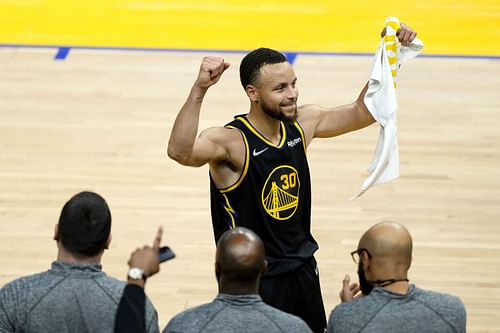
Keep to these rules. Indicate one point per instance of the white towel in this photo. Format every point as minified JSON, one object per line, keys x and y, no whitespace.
{"x":380,"y":99}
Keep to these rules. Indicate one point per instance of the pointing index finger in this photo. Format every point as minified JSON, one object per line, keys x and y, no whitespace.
{"x":157,"y":240}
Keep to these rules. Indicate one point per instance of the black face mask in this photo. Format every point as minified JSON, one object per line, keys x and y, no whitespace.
{"x":365,"y":285}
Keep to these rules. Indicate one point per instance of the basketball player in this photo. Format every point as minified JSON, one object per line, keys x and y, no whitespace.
{"x":259,"y":176}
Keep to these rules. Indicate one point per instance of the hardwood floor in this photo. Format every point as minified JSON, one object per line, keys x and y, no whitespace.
{"x":100,"y":121}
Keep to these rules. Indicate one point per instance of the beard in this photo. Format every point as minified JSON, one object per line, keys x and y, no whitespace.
{"x":278,"y":114}
{"x":365,"y":285}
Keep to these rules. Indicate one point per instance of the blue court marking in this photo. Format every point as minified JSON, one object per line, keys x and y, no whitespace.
{"x":295,"y":53}
{"x":291,"y":56}
{"x":62,"y":53}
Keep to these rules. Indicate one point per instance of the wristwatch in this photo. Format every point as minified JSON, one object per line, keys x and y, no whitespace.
{"x":136,"y":274}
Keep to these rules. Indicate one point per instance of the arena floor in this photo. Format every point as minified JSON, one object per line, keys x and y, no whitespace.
{"x":90,"y":90}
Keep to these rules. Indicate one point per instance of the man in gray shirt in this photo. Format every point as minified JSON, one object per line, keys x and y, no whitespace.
{"x":384,"y":300}
{"x":239,"y":263}
{"x":75,"y":295}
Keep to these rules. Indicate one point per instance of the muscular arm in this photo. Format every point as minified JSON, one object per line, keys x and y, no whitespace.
{"x":183,"y":146}
{"x":321,"y":122}
{"x":343,"y":119}
{"x":222,"y":148}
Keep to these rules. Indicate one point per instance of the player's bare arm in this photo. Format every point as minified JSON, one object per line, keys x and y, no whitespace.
{"x":323,"y":122}
{"x":227,"y":158}
{"x":184,"y":146}
{"x":222,"y":148}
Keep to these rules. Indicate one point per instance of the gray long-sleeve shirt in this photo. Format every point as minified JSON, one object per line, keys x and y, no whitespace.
{"x":235,"y":313}
{"x":384,"y":311}
{"x":66,"y":298}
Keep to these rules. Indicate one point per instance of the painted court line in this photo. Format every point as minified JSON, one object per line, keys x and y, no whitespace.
{"x":63,"y":51}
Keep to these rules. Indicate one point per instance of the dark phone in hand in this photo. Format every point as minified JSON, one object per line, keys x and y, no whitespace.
{"x":166,"y":254}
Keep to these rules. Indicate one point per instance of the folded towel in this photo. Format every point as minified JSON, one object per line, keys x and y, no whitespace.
{"x":380,"y":99}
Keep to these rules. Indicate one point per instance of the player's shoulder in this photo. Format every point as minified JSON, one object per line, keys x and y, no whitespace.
{"x":26,"y":283}
{"x":220,"y":133}
{"x":192,"y":319}
{"x":438,"y":299}
{"x":309,"y":109}
{"x":229,"y":138}
{"x":287,"y":321}
{"x":308,"y":112}
{"x":24,"y":292}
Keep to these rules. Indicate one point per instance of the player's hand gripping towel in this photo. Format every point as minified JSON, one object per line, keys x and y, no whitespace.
{"x":380,"y":99}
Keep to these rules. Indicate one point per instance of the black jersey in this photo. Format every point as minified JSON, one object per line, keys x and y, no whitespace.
{"x":272,"y":196}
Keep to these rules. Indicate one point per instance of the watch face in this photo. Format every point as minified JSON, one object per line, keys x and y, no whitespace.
{"x":136,"y":273}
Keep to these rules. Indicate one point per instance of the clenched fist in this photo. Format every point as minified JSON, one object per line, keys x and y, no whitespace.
{"x":211,"y":70}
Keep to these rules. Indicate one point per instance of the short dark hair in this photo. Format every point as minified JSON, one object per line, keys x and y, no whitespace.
{"x":85,"y":224}
{"x":255,"y":60}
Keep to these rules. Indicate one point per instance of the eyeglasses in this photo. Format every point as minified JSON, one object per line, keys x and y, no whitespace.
{"x":356,"y":253}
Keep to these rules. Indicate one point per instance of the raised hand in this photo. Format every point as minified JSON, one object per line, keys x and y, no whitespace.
{"x":405,"y":34}
{"x":147,"y":257}
{"x":349,"y":290}
{"x":211,"y":70}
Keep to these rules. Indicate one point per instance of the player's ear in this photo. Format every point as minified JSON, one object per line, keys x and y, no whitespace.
{"x":56,"y":232}
{"x":108,"y":241}
{"x":264,"y":267}
{"x":252,"y":93}
{"x":217,"y":271}
{"x":365,"y":260}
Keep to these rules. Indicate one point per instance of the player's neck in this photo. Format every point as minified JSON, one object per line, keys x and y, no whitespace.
{"x":268,"y":126}
{"x":235,"y":288}
{"x":67,"y":257}
{"x":399,"y":287}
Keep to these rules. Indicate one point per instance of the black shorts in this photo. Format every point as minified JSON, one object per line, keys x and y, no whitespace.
{"x":297,"y":292}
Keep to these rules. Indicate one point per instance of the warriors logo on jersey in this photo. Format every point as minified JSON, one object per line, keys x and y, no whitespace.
{"x":272,"y":196}
{"x":280,"y":195}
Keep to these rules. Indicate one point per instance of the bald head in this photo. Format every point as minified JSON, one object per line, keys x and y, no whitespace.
{"x":240,"y":256}
{"x":389,"y":243}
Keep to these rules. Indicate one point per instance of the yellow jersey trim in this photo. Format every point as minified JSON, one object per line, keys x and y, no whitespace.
{"x":302,"y":135}
{"x":254,"y":131}
{"x":245,"y":167}
{"x":229,"y":210}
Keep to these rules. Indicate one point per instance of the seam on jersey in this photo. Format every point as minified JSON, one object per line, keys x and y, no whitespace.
{"x":212,"y":318}
{"x":257,"y":133}
{"x":439,"y":315}
{"x":80,"y":314}
{"x":245,"y":167}
{"x":374,"y":315}
{"x":230,"y":211}
{"x":270,"y":319}
{"x":301,"y":130}
{"x":106,"y":291}
{"x":40,"y":299}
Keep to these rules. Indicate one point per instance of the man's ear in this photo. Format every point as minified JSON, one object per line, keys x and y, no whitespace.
{"x":252,"y":93}
{"x":365,"y":261}
{"x":106,"y":246}
{"x":409,"y":263}
{"x":56,"y":232}
{"x":217,"y":271}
